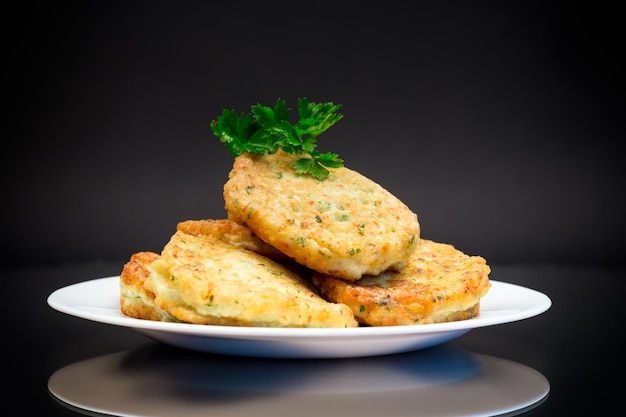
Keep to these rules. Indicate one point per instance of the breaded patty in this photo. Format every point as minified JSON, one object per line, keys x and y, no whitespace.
{"x":200,"y":279}
{"x":135,"y":300}
{"x":138,"y":302}
{"x":346,"y":225}
{"x":439,"y":284}
{"x":231,"y":232}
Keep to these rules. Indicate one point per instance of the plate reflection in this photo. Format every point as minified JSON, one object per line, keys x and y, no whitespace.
{"x":160,"y":380}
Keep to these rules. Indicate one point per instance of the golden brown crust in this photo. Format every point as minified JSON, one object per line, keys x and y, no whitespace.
{"x":439,"y":284}
{"x":346,"y":225}
{"x":135,"y":300}
{"x":233,"y":233}
{"x":203,"y":280}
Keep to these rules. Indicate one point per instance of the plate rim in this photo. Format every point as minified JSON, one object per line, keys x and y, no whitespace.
{"x":58,"y":301}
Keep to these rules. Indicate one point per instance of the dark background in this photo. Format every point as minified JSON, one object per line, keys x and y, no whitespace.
{"x":498,"y":123}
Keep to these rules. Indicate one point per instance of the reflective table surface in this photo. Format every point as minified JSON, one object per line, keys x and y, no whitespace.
{"x":564,"y":361}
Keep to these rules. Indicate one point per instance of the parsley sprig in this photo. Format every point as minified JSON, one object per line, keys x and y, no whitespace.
{"x":267,"y":129}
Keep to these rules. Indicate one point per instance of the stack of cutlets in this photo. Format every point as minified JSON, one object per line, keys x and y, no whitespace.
{"x":297,"y":251}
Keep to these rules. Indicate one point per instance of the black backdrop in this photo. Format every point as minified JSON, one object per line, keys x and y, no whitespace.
{"x":496,"y":122}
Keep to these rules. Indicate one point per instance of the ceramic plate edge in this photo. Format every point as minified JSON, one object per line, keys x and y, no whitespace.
{"x":58,"y":300}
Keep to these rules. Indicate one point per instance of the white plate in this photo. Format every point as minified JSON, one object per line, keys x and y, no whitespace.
{"x":98,"y":300}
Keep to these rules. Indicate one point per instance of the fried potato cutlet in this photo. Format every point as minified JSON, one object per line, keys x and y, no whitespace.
{"x":346,"y":225}
{"x":439,"y":284}
{"x":138,"y":302}
{"x":135,"y":300}
{"x":200,"y":279}
{"x":231,"y":232}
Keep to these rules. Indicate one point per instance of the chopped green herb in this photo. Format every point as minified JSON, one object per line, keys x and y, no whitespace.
{"x":353,"y":251}
{"x":266,"y":130}
{"x":210,"y":303}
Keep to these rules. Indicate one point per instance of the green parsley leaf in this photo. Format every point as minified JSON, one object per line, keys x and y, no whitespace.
{"x":266,"y":130}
